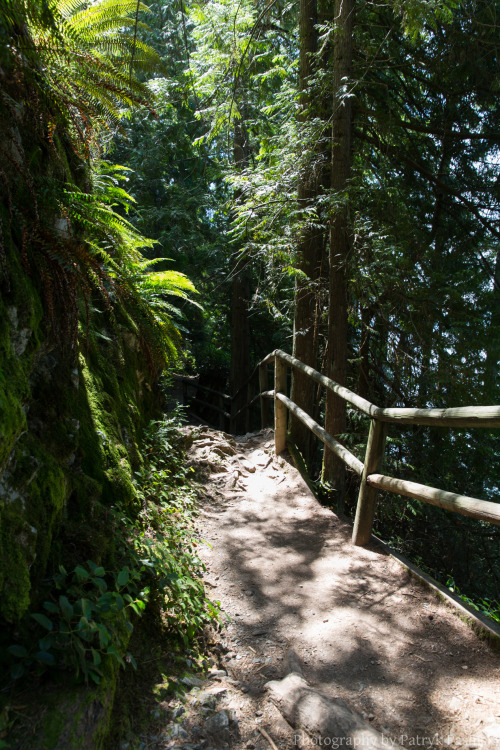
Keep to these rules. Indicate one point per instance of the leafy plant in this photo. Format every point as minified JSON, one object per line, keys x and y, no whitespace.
{"x":123,"y":271}
{"x":487,"y":606}
{"x":87,"y":616}
{"x":85,"y":622}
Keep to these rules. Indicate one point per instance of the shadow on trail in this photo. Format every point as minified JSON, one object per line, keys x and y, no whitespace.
{"x":365,"y":631}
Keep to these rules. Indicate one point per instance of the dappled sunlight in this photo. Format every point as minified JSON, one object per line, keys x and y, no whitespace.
{"x":365,"y":631}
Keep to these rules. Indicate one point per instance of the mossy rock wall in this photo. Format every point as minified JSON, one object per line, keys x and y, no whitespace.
{"x":73,"y":403}
{"x":70,"y":425}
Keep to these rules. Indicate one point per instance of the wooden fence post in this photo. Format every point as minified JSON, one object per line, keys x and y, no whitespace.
{"x":263,"y":386}
{"x":248,"y":408}
{"x":280,"y":411}
{"x":222,"y":418}
{"x":365,"y":510}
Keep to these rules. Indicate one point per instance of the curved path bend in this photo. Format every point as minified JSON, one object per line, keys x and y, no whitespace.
{"x":288,"y":576}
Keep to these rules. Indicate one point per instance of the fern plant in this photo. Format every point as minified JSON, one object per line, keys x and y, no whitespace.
{"x":68,"y":74}
{"x":83,"y":63}
{"x":128,"y":274}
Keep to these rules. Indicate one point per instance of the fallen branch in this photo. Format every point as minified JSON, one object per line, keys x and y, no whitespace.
{"x":267,"y":737}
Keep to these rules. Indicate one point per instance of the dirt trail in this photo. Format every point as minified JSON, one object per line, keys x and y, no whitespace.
{"x":287,"y":575}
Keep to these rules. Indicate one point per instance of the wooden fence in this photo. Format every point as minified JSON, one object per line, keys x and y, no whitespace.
{"x":371,"y":479}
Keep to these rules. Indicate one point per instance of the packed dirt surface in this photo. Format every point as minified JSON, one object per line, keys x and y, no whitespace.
{"x":288,"y":577}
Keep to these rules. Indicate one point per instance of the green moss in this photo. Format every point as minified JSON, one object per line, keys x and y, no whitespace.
{"x":35,"y":491}
{"x":16,"y":551}
{"x":69,"y":433}
{"x":20,"y":315}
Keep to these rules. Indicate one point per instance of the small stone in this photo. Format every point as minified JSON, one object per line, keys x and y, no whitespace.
{"x":371,"y":717}
{"x":175,"y":731}
{"x":492,"y":730}
{"x":217,"y":722}
{"x":208,"y":701}
{"x":178,"y":711}
{"x":250,"y":745}
{"x":258,"y":713}
{"x":192,"y":681}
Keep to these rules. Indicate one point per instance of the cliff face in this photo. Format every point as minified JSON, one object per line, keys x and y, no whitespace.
{"x":69,"y":431}
{"x":75,"y":388}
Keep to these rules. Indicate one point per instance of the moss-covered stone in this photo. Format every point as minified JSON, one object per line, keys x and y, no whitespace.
{"x":69,"y":717}
{"x":69,"y":440}
{"x":71,"y":415}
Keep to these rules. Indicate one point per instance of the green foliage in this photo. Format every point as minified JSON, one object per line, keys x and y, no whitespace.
{"x":167,"y":540}
{"x":486,"y":606}
{"x":123,"y":272}
{"x":71,"y":71}
{"x":88,"y":613}
{"x":89,"y":61}
{"x":83,"y":624}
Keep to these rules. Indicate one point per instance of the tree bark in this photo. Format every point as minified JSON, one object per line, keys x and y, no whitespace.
{"x":492,"y":375}
{"x":364,"y":354}
{"x":310,"y":247}
{"x":335,"y":416}
{"x":240,"y":292}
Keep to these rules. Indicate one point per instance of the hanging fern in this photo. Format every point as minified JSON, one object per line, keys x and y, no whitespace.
{"x":66,"y":77}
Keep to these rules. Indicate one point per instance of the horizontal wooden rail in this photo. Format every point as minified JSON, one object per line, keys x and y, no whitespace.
{"x":265,"y":394}
{"x":347,"y":457}
{"x":371,"y":480}
{"x":195,"y":384}
{"x":267,"y":360}
{"x":482,"y":510}
{"x":352,"y":398}
{"x":463,"y":416}
{"x":212,"y":406}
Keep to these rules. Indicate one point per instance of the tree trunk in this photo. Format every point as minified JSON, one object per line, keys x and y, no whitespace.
{"x":240,"y":292}
{"x":492,"y":375}
{"x":310,"y":247}
{"x":364,"y":389}
{"x":335,"y":416}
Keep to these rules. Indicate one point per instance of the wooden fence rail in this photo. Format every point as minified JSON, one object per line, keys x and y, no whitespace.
{"x":371,"y":479}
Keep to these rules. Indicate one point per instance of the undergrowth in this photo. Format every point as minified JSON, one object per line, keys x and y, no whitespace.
{"x":88,"y":612}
